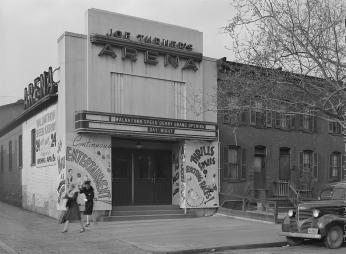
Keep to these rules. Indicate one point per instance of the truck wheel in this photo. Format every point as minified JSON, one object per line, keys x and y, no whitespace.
{"x":334,"y":237}
{"x":294,"y":241}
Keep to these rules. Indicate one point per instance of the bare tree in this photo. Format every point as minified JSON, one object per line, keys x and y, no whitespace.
{"x":299,"y":49}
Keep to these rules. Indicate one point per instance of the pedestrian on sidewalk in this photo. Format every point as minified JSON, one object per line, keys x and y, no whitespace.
{"x":72,"y":212}
{"x":88,"y":191}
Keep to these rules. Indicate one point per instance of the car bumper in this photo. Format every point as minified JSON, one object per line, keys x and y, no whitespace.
{"x":301,"y":235}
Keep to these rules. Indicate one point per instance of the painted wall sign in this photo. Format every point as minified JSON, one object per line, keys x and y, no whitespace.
{"x":89,"y":158}
{"x":46,"y":138}
{"x":108,"y":122}
{"x":201,"y":174}
{"x":152,"y":47}
{"x":43,"y":85}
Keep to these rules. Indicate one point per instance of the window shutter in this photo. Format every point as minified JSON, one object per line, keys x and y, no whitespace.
{"x":330,"y":165}
{"x":315,"y":164}
{"x":292,"y":122}
{"x":243,"y":163}
{"x":226,"y":117}
{"x":301,"y":161}
{"x":300,"y":122}
{"x":252,"y":117}
{"x":312,"y":120}
{"x":225,"y":161}
{"x":277,"y":119}
{"x":243,"y":116}
{"x":269,"y":119}
{"x":343,"y":164}
{"x":330,"y":126}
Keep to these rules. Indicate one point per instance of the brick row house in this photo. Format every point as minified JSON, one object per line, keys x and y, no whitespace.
{"x":270,"y":153}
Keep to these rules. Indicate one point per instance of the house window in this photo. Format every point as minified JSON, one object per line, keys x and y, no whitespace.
{"x":307,"y":122}
{"x":234,"y":163}
{"x":2,"y":158}
{"x":33,"y":146}
{"x":284,"y":121}
{"x":308,"y":161}
{"x":335,"y":163}
{"x":334,"y":127}
{"x":20,"y":151}
{"x":234,"y":117}
{"x":258,"y":118}
{"x":10,"y":155}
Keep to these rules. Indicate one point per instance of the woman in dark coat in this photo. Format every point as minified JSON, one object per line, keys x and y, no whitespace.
{"x":88,"y":191}
{"x":72,"y":212}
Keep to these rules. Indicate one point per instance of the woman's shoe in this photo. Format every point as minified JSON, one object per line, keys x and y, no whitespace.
{"x":64,"y":231}
{"x":87,"y":225}
{"x":82,"y":230}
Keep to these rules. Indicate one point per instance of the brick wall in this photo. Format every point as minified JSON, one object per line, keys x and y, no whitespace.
{"x":247,"y":137}
{"x":10,"y":177}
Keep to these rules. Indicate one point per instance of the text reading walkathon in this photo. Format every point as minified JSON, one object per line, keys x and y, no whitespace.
{"x":45,"y":143}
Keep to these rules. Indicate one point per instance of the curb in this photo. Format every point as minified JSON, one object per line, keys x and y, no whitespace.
{"x":223,"y":248}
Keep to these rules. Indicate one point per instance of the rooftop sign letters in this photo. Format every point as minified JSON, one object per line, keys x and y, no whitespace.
{"x":152,"y":47}
{"x":43,"y":85}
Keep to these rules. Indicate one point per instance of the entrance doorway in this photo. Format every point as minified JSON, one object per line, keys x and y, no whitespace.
{"x":260,"y":168}
{"x":141,"y":177}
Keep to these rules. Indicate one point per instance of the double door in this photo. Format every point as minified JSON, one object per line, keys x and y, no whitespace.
{"x":141,"y":177}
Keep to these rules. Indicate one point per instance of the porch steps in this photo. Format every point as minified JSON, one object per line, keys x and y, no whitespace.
{"x":146,"y":212}
{"x":283,"y":204}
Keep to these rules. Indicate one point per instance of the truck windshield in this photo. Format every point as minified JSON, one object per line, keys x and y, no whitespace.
{"x":336,"y":193}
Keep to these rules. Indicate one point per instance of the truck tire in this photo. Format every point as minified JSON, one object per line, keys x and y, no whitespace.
{"x":334,"y":238}
{"x":294,"y":241}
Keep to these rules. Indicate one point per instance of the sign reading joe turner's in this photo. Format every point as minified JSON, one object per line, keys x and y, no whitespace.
{"x":46,"y":138}
{"x":152,"y":47}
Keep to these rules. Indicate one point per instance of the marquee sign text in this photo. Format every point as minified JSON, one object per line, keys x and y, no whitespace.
{"x":89,"y":121}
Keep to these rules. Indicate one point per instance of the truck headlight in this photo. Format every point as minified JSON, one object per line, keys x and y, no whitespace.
{"x":291,"y":213}
{"x":316,"y":213}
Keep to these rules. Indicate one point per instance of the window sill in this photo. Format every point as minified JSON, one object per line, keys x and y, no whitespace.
{"x":333,"y":179}
{"x":335,"y":134}
{"x":230,"y":180}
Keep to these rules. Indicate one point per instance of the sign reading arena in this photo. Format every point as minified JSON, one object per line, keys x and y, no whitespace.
{"x":152,"y":47}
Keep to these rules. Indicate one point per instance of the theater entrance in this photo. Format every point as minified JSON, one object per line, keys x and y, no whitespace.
{"x":141,"y":177}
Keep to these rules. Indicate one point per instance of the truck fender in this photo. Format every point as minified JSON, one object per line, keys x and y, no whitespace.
{"x":325,"y":221}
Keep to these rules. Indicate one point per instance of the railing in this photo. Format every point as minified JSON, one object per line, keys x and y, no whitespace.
{"x":305,"y":194}
{"x":281,"y":188}
{"x":293,"y":195}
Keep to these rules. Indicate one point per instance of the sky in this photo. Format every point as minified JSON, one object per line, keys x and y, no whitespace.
{"x":29,"y":30}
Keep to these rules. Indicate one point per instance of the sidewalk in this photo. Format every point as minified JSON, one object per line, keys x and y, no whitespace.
{"x":27,"y":232}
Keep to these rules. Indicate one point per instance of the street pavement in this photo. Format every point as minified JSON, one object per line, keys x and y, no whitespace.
{"x":309,"y":247}
{"x":26,"y":232}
